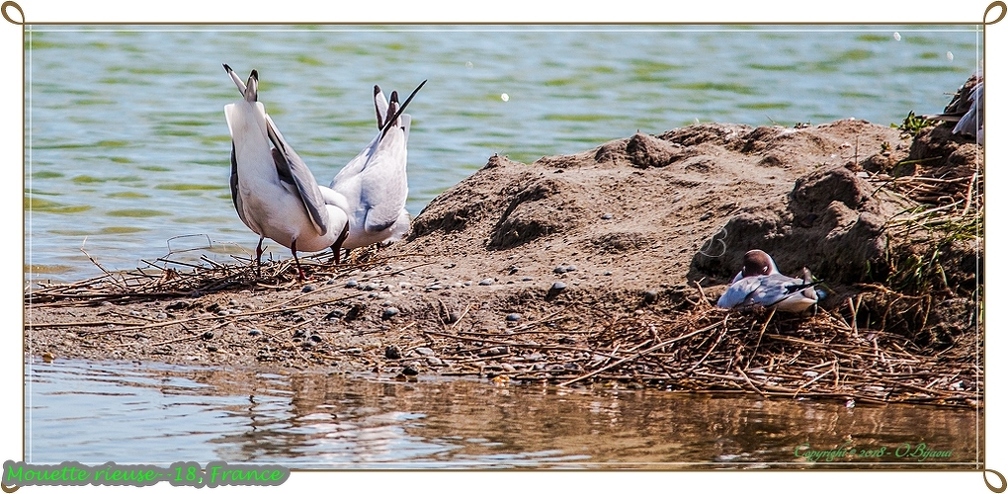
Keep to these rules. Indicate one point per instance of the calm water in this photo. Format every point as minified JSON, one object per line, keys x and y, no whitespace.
{"x":128,"y":147}
{"x":163,"y":414}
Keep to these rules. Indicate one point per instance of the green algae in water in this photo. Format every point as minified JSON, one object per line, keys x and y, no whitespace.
{"x":136,"y":213}
{"x":113,"y":230}
{"x":128,"y":194}
{"x":188,"y":187}
{"x":36,"y":204}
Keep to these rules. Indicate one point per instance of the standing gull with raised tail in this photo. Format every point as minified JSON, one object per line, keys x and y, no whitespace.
{"x":274,"y":192}
{"x":372,"y":187}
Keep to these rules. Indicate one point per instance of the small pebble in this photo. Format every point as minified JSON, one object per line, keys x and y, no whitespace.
{"x":211,"y":348}
{"x":561,"y":269}
{"x":254,"y":332}
{"x":370,"y":287}
{"x":607,"y":273}
{"x":426,"y":352}
{"x":555,"y":290}
{"x":334,"y":314}
{"x":409,"y":370}
{"x":307,"y":288}
{"x":706,"y":216}
{"x":392,"y":352}
{"x":434,"y":362}
{"x":650,"y":296}
{"x":434,"y":286}
{"x":389,"y":313}
{"x":486,"y":282}
{"x":208,"y":335}
{"x":299,"y":333}
{"x":508,"y":367}
{"x":351,"y":283}
{"x":527,"y":278}
{"x":570,"y":268}
{"x":513,"y":317}
{"x":233,"y":302}
{"x":316,"y":338}
{"x":607,"y":216}
{"x":810,"y":373}
{"x":454,"y":316}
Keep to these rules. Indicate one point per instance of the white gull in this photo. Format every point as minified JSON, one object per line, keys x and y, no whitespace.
{"x":273,"y":191}
{"x":372,"y":187}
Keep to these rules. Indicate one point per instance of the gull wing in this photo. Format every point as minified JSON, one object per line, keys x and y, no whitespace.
{"x":775,"y":288}
{"x":738,"y":293}
{"x":235,"y":196}
{"x":766,"y":290}
{"x":970,"y":121}
{"x":383,"y":179}
{"x":237,"y":80}
{"x":293,"y":170}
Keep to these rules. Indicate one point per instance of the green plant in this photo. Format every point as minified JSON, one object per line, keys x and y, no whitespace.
{"x":913,"y":125}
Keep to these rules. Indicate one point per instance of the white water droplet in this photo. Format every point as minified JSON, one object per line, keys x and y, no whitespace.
{"x":949,"y":55}
{"x":505,"y":97}
{"x":469,"y":65}
{"x":896,"y":36}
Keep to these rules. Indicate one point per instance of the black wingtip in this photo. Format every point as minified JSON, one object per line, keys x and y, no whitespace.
{"x":402,"y":108}
{"x":227,"y":68}
{"x":255,"y":75}
{"x":376,"y":90}
{"x":394,"y":97}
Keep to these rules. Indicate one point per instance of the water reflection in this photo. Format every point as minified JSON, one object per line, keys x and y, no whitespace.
{"x":155,"y":413}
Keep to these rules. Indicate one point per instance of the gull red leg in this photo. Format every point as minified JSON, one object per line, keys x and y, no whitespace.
{"x":297,"y":263}
{"x":259,"y":258}
{"x":338,"y":245}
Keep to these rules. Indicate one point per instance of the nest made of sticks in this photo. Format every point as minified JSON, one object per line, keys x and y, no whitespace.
{"x":707,"y":349}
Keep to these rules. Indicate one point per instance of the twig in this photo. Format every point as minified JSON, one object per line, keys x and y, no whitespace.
{"x":645,"y":352}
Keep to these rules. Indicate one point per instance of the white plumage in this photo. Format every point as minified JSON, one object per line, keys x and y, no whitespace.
{"x":273,"y":191}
